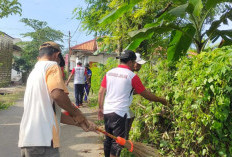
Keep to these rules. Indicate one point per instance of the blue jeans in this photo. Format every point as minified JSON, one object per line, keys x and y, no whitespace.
{"x":87,"y":89}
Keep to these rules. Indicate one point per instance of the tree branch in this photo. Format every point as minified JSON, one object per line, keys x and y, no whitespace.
{"x":164,"y":10}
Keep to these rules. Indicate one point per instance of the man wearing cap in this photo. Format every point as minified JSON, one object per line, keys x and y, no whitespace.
{"x":138,"y":63}
{"x":80,"y":73}
{"x":118,"y":84}
{"x":44,"y":97}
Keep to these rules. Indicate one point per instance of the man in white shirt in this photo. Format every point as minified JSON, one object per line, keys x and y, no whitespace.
{"x":119,"y":84}
{"x":79,"y":73}
{"x":44,"y":97}
{"x":137,"y":66}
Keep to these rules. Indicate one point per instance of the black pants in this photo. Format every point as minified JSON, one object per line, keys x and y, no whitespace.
{"x":116,"y":125}
{"x":79,"y":93}
{"x":129,"y":122}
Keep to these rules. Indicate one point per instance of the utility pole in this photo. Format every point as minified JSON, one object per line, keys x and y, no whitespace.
{"x":69,"y":51}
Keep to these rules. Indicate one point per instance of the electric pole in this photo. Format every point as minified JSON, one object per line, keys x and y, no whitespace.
{"x":69,"y":51}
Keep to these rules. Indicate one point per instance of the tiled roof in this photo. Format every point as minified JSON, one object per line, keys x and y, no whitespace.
{"x":90,"y":46}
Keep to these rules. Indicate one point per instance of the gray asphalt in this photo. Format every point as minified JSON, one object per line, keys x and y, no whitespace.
{"x":74,"y":141}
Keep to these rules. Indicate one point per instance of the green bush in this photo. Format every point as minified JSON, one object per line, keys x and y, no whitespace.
{"x":198,"y":119}
{"x":4,"y":106}
{"x":99,"y":71}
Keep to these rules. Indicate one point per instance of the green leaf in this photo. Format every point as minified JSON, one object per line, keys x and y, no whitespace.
{"x":179,"y":11}
{"x":197,"y":6}
{"x":180,"y":42}
{"x":213,"y":31}
{"x":204,"y":152}
{"x":136,"y":42}
{"x":200,"y":139}
{"x":115,"y":14}
{"x":212,"y":3}
{"x":146,"y":33}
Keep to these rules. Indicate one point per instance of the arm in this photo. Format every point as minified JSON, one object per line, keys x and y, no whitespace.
{"x":63,"y":101}
{"x":87,"y":78}
{"x":69,"y":78}
{"x":68,"y":120}
{"x":149,"y":96}
{"x":100,"y":102}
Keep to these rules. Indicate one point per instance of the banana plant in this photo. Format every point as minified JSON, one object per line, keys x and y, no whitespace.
{"x":186,"y":26}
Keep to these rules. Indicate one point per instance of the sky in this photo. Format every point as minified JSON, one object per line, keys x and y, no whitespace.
{"x":57,"y":14}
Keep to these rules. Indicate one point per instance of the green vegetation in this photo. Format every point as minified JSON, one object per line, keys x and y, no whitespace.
{"x":41,"y":34}
{"x":98,"y":72}
{"x":9,"y":7}
{"x":9,"y":99}
{"x":197,"y":120}
{"x":143,"y":25}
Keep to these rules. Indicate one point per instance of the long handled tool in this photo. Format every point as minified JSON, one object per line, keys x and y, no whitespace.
{"x":137,"y":148}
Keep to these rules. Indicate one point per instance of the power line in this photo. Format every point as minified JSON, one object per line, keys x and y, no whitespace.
{"x":79,"y":23}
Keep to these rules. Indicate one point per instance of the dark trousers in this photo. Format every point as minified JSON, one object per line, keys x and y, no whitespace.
{"x":129,"y":122}
{"x":116,"y":125}
{"x":79,"y":93}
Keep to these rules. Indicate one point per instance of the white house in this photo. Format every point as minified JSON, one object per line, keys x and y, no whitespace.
{"x":85,"y":53}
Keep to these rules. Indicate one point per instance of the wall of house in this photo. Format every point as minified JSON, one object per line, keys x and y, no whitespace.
{"x":6,"y":49}
{"x":101,"y":58}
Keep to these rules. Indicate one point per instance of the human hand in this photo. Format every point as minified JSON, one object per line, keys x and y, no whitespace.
{"x":100,"y":114}
{"x":85,"y":125}
{"x":92,"y":127}
{"x":80,"y":118}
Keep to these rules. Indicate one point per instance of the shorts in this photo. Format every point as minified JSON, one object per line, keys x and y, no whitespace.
{"x":116,"y":125}
{"x":40,"y":152}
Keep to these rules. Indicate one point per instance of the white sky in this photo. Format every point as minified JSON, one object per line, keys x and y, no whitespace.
{"x":57,"y":13}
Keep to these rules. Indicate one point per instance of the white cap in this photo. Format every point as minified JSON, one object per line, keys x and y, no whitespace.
{"x":139,"y":60}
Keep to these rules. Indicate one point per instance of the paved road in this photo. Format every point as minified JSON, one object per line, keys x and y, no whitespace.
{"x":74,"y":141}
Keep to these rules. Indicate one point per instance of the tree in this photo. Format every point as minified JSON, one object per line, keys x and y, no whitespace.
{"x":186,"y":22}
{"x":41,"y":34}
{"x":114,"y":33}
{"x":9,"y":7}
{"x":187,"y":25}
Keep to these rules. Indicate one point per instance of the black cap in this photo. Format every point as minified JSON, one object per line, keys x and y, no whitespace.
{"x":127,"y":54}
{"x":87,"y":65}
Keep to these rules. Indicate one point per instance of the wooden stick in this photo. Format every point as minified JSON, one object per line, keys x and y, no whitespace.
{"x":106,"y":133}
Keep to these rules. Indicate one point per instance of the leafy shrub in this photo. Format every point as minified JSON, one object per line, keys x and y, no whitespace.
{"x":4,"y":106}
{"x":198,"y":119}
{"x":99,"y":71}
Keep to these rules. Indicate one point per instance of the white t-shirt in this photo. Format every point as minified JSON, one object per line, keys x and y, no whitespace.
{"x":119,"y":83}
{"x":40,"y":125}
{"x":79,"y":74}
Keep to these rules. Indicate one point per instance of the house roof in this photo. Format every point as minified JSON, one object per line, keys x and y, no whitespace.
{"x":3,"y":33}
{"x":17,"y":48}
{"x":90,"y":46}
